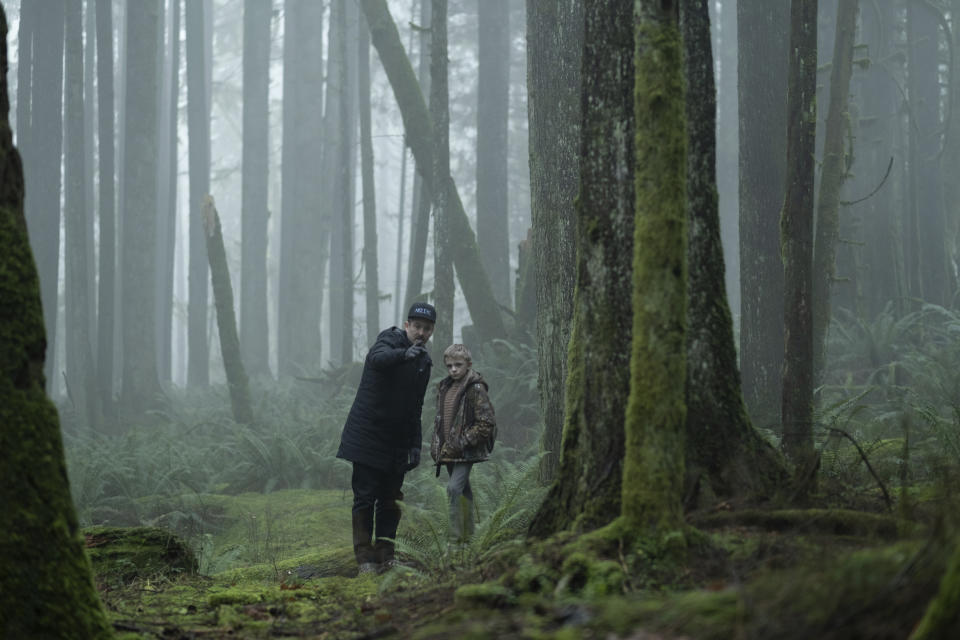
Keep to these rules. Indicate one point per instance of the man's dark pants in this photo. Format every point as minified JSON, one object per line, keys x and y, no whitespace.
{"x":376,"y":513}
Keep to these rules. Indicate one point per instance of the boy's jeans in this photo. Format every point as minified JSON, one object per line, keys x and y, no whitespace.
{"x":461,"y":500}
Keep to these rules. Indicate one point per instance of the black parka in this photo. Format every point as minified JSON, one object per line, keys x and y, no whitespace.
{"x":384,"y":421}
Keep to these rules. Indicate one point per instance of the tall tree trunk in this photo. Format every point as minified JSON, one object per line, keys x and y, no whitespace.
{"x":762,"y":76}
{"x":796,"y":226}
{"x":493,"y":105}
{"x":346,"y":191}
{"x":341,"y":91}
{"x":334,"y":188}
{"x":106,"y":300}
{"x":198,"y":126}
{"x":832,"y":176}
{"x":420,"y":216}
{"x":89,"y":170}
{"x":254,"y":214}
{"x":725,"y":24}
{"x":723,"y":450}
{"x":950,"y":161}
{"x":167,"y":194}
{"x":587,"y":491}
{"x":46,"y":584}
{"x":923,"y":85}
{"x":46,"y":140}
{"x":554,"y":52}
{"x":138,"y":248}
{"x":370,"y":262}
{"x":653,"y":467}
{"x":481,"y":303}
{"x":443,"y":284}
{"x":80,"y":374}
{"x":226,"y":317}
{"x":882,"y":251}
{"x":299,"y":294}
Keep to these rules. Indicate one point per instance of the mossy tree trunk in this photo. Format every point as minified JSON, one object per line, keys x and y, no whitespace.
{"x":81,"y":377}
{"x":762,"y":28}
{"x":941,"y":619}
{"x":554,"y":52}
{"x":484,"y":310}
{"x":723,"y":449}
{"x":443,"y":283}
{"x":46,"y":585}
{"x":796,"y":229}
{"x":653,"y":465}
{"x":370,"y":263}
{"x":226,"y":316}
{"x":832,"y":176}
{"x":586,"y":492}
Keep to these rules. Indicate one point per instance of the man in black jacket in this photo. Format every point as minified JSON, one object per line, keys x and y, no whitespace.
{"x":382,"y":436}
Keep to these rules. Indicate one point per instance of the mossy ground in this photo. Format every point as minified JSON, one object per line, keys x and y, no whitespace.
{"x":741,"y":579}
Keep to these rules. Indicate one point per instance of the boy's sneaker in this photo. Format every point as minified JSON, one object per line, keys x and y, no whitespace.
{"x":367,"y":567}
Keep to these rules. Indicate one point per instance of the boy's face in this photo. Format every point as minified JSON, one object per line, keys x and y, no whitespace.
{"x":418,"y":330}
{"x":457,"y":367}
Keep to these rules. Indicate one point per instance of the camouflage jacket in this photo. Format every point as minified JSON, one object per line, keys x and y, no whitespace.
{"x":474,"y":427}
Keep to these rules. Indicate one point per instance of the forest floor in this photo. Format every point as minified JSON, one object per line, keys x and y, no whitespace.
{"x":280,"y":566}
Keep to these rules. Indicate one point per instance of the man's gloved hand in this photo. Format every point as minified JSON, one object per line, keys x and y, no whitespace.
{"x":413,"y":458}
{"x":414,"y":351}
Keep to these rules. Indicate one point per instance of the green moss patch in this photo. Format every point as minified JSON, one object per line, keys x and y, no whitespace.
{"x":127,"y":553}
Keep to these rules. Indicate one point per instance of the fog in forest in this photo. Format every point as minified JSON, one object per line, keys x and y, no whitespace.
{"x":700,"y":273}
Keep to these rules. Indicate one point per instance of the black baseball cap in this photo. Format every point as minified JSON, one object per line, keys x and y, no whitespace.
{"x":422,"y":310}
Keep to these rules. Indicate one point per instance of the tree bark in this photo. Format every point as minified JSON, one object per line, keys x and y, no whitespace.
{"x":341,"y":280}
{"x":226,"y":318}
{"x":420,"y":216}
{"x":46,"y":585}
{"x":443,"y":283}
{"x":473,"y":279}
{"x":762,"y":73}
{"x":950,"y":160}
{"x":299,"y":296}
{"x":554,"y":52}
{"x":653,"y":467}
{"x":587,"y":491}
{"x":80,"y":373}
{"x":167,"y":200}
{"x":106,"y":299}
{"x":724,"y":452}
{"x":138,"y":248}
{"x":371,"y":264}
{"x":254,"y":214}
{"x":46,"y":140}
{"x":493,"y":105}
{"x":832,"y":177}
{"x":796,"y":225}
{"x":198,"y":126}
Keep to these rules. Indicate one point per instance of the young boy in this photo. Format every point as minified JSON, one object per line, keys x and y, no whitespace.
{"x":464,"y":432}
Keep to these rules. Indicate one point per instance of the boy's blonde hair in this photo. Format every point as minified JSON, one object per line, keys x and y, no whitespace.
{"x":457,"y":350}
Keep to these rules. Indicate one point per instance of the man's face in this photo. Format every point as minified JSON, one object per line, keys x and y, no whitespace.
{"x":457,"y":367}
{"x":418,"y":330}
